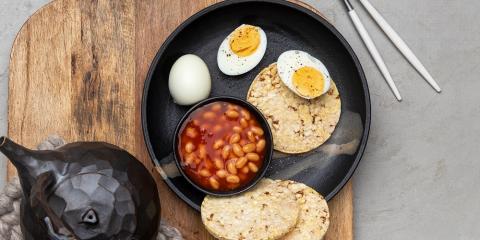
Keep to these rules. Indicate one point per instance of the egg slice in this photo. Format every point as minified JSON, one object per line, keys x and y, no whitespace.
{"x":303,"y":74}
{"x":242,"y":50}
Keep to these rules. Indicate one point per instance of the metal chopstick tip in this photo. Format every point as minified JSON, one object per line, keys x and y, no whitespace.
{"x":348,"y":5}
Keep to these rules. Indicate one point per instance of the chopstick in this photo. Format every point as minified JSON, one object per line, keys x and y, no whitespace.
{"x":372,"y":49}
{"x":400,"y":44}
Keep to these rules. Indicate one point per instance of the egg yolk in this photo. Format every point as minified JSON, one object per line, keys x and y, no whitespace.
{"x":245,"y":40}
{"x":308,"y":81}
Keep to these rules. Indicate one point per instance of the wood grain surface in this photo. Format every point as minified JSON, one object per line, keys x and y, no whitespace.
{"x":77,"y":69}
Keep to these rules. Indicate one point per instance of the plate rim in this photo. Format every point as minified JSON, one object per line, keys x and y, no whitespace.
{"x":319,"y":18}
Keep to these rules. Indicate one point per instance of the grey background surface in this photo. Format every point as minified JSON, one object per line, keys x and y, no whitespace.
{"x":420,"y":174}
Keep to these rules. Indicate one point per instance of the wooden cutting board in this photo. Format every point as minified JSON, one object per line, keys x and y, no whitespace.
{"x":77,"y":69}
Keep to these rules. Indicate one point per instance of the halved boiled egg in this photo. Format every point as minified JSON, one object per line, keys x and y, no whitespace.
{"x":242,"y":50}
{"x":303,"y":74}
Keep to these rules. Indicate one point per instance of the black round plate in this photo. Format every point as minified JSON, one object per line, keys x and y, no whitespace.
{"x":288,"y":27}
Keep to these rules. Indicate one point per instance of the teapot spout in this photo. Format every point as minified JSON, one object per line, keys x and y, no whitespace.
{"x":13,"y":151}
{"x":23,"y":160}
{"x":16,"y":153}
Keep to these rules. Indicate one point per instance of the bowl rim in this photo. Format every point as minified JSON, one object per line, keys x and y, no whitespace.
{"x":321,"y":20}
{"x":268,"y":137}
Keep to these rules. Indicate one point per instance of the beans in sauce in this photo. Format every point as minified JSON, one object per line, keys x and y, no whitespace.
{"x":222,"y":146}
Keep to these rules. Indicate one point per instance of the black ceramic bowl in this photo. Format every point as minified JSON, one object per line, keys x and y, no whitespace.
{"x":268,"y":147}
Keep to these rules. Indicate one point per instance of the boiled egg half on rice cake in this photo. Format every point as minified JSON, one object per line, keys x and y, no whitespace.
{"x":242,"y":50}
{"x":303,"y":74}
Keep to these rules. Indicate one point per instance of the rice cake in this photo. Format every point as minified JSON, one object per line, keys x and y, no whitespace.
{"x":298,"y":125}
{"x":314,"y":215}
{"x":268,"y":211}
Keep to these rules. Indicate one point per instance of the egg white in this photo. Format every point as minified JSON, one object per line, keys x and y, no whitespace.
{"x":232,"y":64}
{"x":290,"y":61}
{"x":189,"y":80}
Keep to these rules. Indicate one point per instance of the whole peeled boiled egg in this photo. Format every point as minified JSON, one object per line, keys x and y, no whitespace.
{"x":303,"y":74}
{"x":242,"y":50}
{"x":189,"y":81}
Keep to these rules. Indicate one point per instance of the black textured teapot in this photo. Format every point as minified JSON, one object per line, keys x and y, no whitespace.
{"x":84,"y":190}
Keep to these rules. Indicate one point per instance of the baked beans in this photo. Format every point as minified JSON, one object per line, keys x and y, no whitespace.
{"x":222,"y":146}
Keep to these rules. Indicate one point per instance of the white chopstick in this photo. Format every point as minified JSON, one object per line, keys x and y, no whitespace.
{"x":400,"y":44}
{"x":372,"y":49}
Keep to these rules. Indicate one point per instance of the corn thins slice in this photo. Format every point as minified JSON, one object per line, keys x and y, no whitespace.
{"x":268,"y":211}
{"x":314,"y":215}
